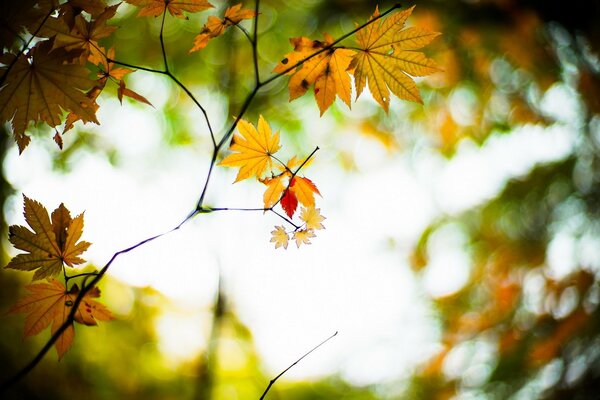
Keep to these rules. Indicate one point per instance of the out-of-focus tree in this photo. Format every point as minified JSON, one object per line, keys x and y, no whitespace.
{"x":526,"y":322}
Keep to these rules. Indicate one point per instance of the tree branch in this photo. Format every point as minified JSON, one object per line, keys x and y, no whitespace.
{"x":71,"y":317}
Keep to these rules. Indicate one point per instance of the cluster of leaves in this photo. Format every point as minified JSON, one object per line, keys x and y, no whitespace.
{"x":52,"y":246}
{"x":254,"y":151}
{"x":384,"y":58}
{"x":41,"y":81}
{"x":47,"y":79}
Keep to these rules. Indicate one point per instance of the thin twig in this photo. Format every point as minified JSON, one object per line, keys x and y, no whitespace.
{"x":296,"y":362}
{"x":162,"y":42}
{"x":25,"y":47}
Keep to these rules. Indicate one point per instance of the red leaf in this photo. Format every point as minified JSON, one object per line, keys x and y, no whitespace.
{"x":289,"y":202}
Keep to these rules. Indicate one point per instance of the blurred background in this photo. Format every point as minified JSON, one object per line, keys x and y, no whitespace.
{"x":461,"y":254}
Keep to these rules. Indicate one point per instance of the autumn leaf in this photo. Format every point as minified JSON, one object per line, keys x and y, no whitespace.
{"x":52,"y":243}
{"x":40,"y":86}
{"x":327,"y":71}
{"x":280,"y":237}
{"x":108,"y":69}
{"x":83,"y":35}
{"x":154,"y":8}
{"x":303,"y":236}
{"x":387,"y":60}
{"x":49,"y":303}
{"x":124,"y":91}
{"x":289,"y":203}
{"x":275,"y":188}
{"x":16,"y":16}
{"x":253,"y":149}
{"x":304,"y":190}
{"x":312,"y":218}
{"x":215,"y":26}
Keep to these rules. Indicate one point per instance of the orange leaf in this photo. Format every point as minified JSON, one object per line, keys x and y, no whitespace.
{"x":304,"y":189}
{"x":275,"y":188}
{"x":123,"y":91}
{"x":215,"y":26}
{"x":327,"y":71}
{"x":154,"y":8}
{"x":50,"y":304}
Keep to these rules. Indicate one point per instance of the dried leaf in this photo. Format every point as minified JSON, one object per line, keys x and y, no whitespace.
{"x":303,"y":236}
{"x":41,"y":89}
{"x":50,"y":303}
{"x":215,"y":26}
{"x":280,"y":237}
{"x":154,"y":8}
{"x":312,"y":218}
{"x":51,"y":244}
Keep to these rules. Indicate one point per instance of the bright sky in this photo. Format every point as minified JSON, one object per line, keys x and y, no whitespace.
{"x":348,"y":280}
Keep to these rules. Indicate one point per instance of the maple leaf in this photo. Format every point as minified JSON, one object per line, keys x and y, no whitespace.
{"x":49,"y":303}
{"x":42,"y":84}
{"x":275,"y":188}
{"x":304,"y":190}
{"x":215,"y":26}
{"x":280,"y":237}
{"x":327,"y":71}
{"x":387,"y":58}
{"x":18,"y":16}
{"x":303,"y":236}
{"x":51,"y":244}
{"x":81,"y":35}
{"x":124,"y":91}
{"x":289,"y":203}
{"x":108,"y":69}
{"x":154,"y":8}
{"x":312,"y":218}
{"x":253,"y":149}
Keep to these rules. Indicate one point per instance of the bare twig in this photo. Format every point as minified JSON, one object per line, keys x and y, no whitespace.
{"x":272,"y":382}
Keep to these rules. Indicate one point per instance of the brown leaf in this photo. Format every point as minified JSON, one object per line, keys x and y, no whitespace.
{"x":40,"y":86}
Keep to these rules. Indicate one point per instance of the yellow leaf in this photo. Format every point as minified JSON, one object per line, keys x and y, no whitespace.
{"x":51,"y":244}
{"x":40,"y":86}
{"x":312,"y":218}
{"x":387,"y":58}
{"x":303,"y":236}
{"x":154,"y":8}
{"x":280,"y":237}
{"x":253,"y":149}
{"x":275,"y":188}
